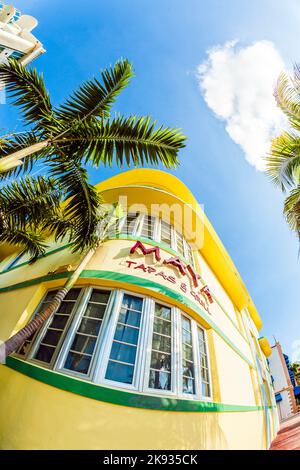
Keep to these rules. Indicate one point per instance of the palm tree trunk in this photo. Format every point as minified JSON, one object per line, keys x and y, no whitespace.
{"x":14,"y":343}
{"x":15,"y":159}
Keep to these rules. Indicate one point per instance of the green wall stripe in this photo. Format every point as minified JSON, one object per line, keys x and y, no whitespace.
{"x":138,"y":281}
{"x":48,"y":253}
{"x":120,"y":397}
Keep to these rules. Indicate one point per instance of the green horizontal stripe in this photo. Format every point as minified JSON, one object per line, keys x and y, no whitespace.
{"x":120,"y":397}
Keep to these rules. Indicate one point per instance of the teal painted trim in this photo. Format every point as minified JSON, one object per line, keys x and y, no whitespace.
{"x":120,"y":397}
{"x":36,"y":280}
{"x":134,"y":280}
{"x":39,"y":257}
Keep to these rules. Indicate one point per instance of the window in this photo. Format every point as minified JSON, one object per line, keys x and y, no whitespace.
{"x":123,"y":340}
{"x":147,"y":229}
{"x":58,"y":325}
{"x":130,"y":223}
{"x":153,"y":228}
{"x":123,"y":351}
{"x":160,"y":365}
{"x":203,"y":363}
{"x":166,"y":233}
{"x":188,"y":376}
{"x":82,"y":347}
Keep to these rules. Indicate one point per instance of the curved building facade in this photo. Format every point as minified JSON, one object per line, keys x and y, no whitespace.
{"x":157,"y":346}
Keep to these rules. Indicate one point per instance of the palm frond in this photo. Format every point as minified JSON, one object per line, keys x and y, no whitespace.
{"x":288,"y":98}
{"x":282,"y":165}
{"x":82,"y":201}
{"x":292,"y":210}
{"x":94,"y":98}
{"x":30,"y":201}
{"x":27,"y":89}
{"x":19,"y":141}
{"x":131,"y":141}
{"x":29,"y":240}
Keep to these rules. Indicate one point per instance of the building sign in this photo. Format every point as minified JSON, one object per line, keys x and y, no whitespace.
{"x":201,"y":295}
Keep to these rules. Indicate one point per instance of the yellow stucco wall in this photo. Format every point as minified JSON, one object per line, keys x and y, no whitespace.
{"x":37,"y":415}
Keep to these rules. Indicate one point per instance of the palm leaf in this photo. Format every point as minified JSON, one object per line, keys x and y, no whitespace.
{"x":131,"y":141}
{"x":82,"y":201}
{"x":29,"y":240}
{"x":292,"y":210}
{"x":94,"y":98}
{"x":27,"y":89}
{"x":30,"y":201}
{"x":283,"y":163}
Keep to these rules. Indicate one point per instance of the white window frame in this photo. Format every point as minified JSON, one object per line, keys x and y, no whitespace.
{"x":174,"y":353}
{"x":101,"y":353}
{"x":69,"y":337}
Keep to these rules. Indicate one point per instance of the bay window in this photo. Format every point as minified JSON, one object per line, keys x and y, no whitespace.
{"x":123,"y":340}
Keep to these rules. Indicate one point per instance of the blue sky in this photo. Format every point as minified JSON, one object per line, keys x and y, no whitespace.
{"x":166,"y":40}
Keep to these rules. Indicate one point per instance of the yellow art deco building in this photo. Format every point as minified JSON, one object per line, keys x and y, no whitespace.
{"x":156,"y":347}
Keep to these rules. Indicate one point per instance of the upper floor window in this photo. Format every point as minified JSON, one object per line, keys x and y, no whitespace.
{"x":123,"y":340}
{"x":156,"y":229}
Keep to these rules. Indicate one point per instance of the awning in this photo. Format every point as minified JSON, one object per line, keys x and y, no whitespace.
{"x":278,"y":397}
{"x":297,"y":390}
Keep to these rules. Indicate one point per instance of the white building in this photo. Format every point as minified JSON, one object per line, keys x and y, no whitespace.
{"x":16,"y":38}
{"x":282,"y":381}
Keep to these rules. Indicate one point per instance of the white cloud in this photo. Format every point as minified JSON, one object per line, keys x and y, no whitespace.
{"x":238,"y":85}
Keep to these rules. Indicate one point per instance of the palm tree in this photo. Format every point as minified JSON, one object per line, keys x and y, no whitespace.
{"x":65,"y":139}
{"x":27,"y":207}
{"x":283,"y":163}
{"x":295,"y":367}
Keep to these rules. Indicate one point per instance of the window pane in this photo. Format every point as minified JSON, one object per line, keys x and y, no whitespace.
{"x":163,"y":312}
{"x":86,"y":336}
{"x":179,"y":243}
{"x":160,"y":380}
{"x":130,"y":223}
{"x":161,"y":326}
{"x":65,"y":307}
{"x":161,"y":359}
{"x":188,"y":382}
{"x":125,"y":334}
{"x":45,"y":353}
{"x":52,"y":337}
{"x":165,"y":235}
{"x":72,"y":294}
{"x":148,"y":227}
{"x":90,"y":327}
{"x":119,"y":372}
{"x":205,"y":385}
{"x":84,"y":344}
{"x":129,"y":317}
{"x":95,"y":311}
{"x":123,"y":352}
{"x":161,"y":343}
{"x":100,"y":296}
{"x":59,"y":321}
{"x":131,"y":302}
{"x":78,"y":362}
{"x":188,"y":385}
